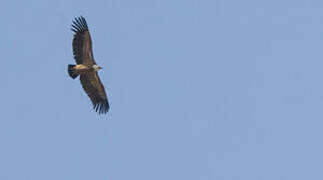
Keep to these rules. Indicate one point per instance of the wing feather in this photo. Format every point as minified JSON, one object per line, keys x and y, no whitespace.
{"x":82,"y":43}
{"x":93,"y":87}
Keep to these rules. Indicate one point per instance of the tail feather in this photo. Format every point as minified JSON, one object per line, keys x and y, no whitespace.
{"x":71,"y":71}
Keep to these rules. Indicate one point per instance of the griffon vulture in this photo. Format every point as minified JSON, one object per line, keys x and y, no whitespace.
{"x":86,"y":67}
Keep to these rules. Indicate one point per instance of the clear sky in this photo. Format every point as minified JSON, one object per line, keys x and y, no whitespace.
{"x":199,"y":90}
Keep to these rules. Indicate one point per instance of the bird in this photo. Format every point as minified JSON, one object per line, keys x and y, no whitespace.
{"x":86,"y":67}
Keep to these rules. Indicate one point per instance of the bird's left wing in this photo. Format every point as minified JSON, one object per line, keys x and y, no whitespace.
{"x":93,"y":87}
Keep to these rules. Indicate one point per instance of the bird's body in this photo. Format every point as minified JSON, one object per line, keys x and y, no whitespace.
{"x":86,"y":67}
{"x":82,"y":69}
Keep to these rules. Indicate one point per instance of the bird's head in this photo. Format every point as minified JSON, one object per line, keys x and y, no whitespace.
{"x":96,"y":67}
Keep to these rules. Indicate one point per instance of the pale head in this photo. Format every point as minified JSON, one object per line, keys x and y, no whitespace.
{"x":96,"y":67}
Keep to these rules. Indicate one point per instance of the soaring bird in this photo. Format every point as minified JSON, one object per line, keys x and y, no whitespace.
{"x":86,"y":67}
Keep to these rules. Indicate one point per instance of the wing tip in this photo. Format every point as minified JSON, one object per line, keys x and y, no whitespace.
{"x":79,"y":25}
{"x":102,"y":107}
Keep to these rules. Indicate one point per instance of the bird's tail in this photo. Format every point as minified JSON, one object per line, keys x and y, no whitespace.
{"x":71,"y":71}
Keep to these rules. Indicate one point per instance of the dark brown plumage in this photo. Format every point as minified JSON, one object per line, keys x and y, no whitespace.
{"x":86,"y":66}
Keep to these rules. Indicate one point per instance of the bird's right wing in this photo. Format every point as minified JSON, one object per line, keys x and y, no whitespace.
{"x":82,"y":44}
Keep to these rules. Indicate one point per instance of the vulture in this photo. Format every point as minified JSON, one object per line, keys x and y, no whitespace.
{"x":86,"y":67}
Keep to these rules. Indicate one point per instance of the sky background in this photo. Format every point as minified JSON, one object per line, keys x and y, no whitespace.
{"x":199,"y":90}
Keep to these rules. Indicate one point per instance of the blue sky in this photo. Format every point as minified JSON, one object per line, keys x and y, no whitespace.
{"x":199,"y":90}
